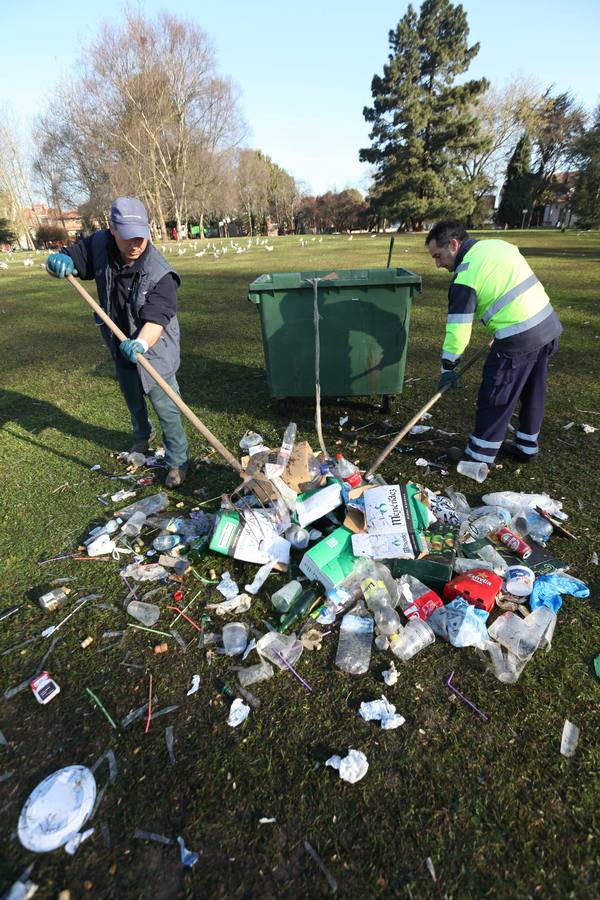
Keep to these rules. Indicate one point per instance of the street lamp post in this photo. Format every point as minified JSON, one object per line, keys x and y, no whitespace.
{"x":525,"y":211}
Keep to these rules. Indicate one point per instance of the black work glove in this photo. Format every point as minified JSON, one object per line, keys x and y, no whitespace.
{"x":448,"y":378}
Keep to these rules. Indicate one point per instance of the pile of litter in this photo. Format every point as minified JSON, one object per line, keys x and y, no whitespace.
{"x":397,"y":567}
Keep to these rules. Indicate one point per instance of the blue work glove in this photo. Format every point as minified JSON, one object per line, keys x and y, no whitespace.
{"x":130,"y":349}
{"x":59,"y":265}
{"x":450,"y":377}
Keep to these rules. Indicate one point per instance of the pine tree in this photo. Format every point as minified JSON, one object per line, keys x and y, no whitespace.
{"x":518,"y":188}
{"x":422,"y":123}
{"x":586,"y":199}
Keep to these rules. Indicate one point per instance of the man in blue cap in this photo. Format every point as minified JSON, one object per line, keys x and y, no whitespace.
{"x":137,"y":288}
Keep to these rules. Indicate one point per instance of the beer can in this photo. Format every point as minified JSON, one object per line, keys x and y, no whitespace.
{"x":514,"y":542}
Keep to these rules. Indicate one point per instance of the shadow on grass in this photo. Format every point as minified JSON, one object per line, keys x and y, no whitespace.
{"x":34,"y":416}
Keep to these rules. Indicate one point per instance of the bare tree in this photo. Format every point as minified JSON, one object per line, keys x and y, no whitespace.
{"x":14,"y":181}
{"x":149,"y":109}
{"x":252,"y":179}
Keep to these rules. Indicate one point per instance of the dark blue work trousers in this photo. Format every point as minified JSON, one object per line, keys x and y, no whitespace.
{"x":506,"y":380}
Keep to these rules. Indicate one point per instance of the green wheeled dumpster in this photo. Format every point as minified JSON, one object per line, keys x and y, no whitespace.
{"x":364,"y":316}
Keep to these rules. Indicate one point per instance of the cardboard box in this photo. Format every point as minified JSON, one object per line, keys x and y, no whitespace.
{"x":331,"y":559}
{"x":297,"y":473}
{"x":395,"y":519}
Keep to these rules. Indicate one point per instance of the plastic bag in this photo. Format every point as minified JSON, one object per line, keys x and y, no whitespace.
{"x":547,"y":590}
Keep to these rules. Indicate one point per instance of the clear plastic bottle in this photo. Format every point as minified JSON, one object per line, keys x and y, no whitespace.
{"x":379,"y":603}
{"x":412,"y":639}
{"x":489,"y":523}
{"x":287,"y":445}
{"x":356,"y":638}
{"x":235,"y":638}
{"x":530,"y":524}
{"x":166,"y":541}
{"x":150,"y":505}
{"x":134,"y":524}
{"x":478,"y":471}
{"x":347,"y":471}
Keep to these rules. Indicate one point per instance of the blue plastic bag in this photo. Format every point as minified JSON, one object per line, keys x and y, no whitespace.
{"x":461,"y":623}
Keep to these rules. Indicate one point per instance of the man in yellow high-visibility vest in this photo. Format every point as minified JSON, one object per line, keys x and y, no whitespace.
{"x":494,"y":283}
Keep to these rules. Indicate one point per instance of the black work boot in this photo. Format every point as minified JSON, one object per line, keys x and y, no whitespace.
{"x":509,"y":449}
{"x":456,"y":454}
{"x":176,"y":476}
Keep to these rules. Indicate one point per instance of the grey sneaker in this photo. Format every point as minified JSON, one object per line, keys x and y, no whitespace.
{"x":176,"y":476}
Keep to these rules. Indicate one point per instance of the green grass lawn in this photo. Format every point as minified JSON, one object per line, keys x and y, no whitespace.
{"x":494,"y":805}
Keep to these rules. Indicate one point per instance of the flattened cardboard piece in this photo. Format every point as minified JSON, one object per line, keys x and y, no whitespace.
{"x":355,"y":518}
{"x":331,"y":559}
{"x":297,"y":472}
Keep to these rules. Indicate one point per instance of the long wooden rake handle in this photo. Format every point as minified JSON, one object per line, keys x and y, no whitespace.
{"x":415,"y":419}
{"x":174,"y":396}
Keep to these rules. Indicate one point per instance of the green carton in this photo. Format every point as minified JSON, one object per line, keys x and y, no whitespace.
{"x":331,"y":559}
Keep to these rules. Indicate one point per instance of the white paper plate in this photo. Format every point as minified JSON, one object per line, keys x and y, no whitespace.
{"x":57,"y":809}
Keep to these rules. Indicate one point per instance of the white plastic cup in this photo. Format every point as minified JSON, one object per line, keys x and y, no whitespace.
{"x":478,"y":471}
{"x":415,"y":636}
{"x":519,"y":581}
{"x":235,"y":638}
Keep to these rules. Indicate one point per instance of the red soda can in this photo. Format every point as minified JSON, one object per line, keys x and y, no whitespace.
{"x":514,"y":542}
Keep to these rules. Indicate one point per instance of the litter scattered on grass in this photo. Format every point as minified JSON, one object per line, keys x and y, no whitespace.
{"x":352,"y":767}
{"x":381,"y":711}
{"x":238,"y":713}
{"x":195,"y":685}
{"x":188,"y":857}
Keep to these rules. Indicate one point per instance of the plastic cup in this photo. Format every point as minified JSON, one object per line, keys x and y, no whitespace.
{"x":478,"y":471}
{"x":415,"y":637}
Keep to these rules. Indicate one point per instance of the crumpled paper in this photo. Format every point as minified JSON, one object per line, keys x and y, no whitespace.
{"x":390,"y":676}
{"x":238,"y":713}
{"x":195,"y":685}
{"x":240,"y":603}
{"x":352,"y":767}
{"x":383,"y":711}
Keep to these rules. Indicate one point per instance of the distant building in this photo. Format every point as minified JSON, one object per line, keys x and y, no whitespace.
{"x":39,"y":214}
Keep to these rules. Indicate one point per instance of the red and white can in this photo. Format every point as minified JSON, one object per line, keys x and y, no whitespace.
{"x":514,"y":542}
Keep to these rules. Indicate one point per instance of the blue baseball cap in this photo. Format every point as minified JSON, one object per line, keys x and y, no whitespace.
{"x":130,"y":218}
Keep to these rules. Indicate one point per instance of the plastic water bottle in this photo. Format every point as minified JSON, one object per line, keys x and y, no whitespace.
{"x":490,"y":523}
{"x":54,"y":599}
{"x":235,"y":638}
{"x":378,"y":600}
{"x":134,"y":524}
{"x":354,"y":646}
{"x":531,"y":524}
{"x":478,"y":471}
{"x":166,"y":541}
{"x":347,"y":471}
{"x":287,"y":445}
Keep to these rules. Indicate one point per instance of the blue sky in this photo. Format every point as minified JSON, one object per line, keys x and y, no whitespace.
{"x":304,"y":69}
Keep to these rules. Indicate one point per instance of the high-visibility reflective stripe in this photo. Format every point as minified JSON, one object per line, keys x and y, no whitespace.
{"x":524,"y":449}
{"x":451,"y":357}
{"x":479,"y":456}
{"x":481,"y":443}
{"x":460,"y":318}
{"x":462,"y":267}
{"x":508,"y":297}
{"x":546,"y":311}
{"x":527,"y":437}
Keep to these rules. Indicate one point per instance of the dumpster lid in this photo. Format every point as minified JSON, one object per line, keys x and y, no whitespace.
{"x":274,"y":281}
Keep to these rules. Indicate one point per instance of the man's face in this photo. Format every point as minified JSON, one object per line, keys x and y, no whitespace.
{"x":445,"y":257}
{"x":130,"y":250}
